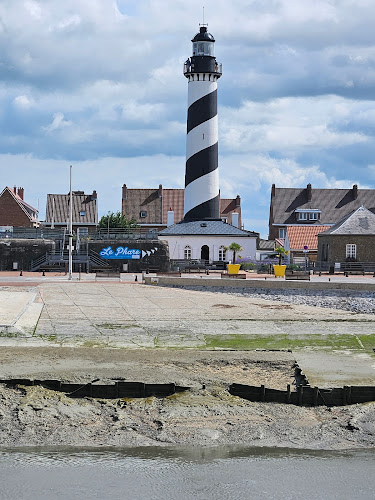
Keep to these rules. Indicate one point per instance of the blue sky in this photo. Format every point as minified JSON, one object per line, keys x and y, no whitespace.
{"x":98,"y":84}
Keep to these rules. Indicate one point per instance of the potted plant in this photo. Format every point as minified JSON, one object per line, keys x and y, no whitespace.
{"x":234,"y":268}
{"x":279,"y":269}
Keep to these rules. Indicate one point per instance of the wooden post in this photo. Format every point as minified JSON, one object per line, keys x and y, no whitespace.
{"x":300,"y":395}
{"x":288,"y":393}
{"x":349,"y":395}
{"x":262,"y":393}
{"x":344,"y":391}
{"x":316,"y":391}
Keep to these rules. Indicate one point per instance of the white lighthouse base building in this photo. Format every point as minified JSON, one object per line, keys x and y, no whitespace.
{"x":207,"y":240}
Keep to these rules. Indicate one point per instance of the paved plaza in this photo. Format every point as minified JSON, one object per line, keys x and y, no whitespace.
{"x":329,"y":344}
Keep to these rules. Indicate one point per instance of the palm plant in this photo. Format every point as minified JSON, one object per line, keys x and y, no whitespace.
{"x":235,"y":248}
{"x":281,"y":252}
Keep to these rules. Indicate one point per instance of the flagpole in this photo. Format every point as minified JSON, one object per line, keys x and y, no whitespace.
{"x":70,"y":227}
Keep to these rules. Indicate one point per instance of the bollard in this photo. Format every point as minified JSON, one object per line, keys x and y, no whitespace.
{"x":136,"y":278}
{"x":21,"y":274}
{"x":43,"y":273}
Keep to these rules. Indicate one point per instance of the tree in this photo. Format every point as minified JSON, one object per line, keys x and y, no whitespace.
{"x":235,"y":248}
{"x":117,"y":220}
{"x":281,"y":252}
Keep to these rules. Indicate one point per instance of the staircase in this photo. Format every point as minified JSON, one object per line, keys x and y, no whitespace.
{"x":53,"y":260}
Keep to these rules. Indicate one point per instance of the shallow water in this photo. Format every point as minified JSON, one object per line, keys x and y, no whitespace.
{"x":185,"y":473}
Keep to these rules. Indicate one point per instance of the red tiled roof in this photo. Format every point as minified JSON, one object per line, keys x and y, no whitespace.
{"x":299,"y":236}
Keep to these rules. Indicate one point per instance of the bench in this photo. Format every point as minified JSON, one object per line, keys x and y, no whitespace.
{"x":149,"y":270}
{"x":352,"y":268}
{"x":196,"y":268}
{"x":59,"y":268}
{"x":297,"y":275}
{"x":239,"y":275}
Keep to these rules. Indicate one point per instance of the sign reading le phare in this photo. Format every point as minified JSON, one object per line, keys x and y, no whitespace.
{"x":120,"y":253}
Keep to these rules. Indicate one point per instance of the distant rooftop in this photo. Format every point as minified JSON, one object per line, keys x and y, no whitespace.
{"x":206,"y":227}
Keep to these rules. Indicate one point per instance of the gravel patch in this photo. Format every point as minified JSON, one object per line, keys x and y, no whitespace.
{"x":353,"y":301}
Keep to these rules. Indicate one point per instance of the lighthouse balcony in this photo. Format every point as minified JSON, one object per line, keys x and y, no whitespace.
{"x":206,"y":67}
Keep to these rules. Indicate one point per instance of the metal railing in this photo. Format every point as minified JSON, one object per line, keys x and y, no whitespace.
{"x":139,"y":233}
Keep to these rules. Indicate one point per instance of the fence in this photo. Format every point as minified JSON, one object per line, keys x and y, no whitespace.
{"x":306,"y":395}
{"x":119,"y":389}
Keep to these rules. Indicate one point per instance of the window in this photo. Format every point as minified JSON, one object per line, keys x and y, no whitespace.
{"x":143,"y":214}
{"x":351,"y":251}
{"x":187,"y":252}
{"x":302,"y":216}
{"x":313,"y":216}
{"x":222,"y":253}
{"x":282,"y":232}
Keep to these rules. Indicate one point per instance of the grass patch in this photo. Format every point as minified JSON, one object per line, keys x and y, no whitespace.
{"x":9,"y":335}
{"x":280,"y":342}
{"x":368,"y":341}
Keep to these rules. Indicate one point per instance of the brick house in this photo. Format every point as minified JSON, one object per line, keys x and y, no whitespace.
{"x":160,"y":208}
{"x":351,"y":239}
{"x":14,"y":211}
{"x":306,"y":207}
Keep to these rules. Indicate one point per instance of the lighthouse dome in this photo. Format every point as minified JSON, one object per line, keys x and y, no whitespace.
{"x":203,"y":35}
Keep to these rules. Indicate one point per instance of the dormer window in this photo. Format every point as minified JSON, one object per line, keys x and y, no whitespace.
{"x":307,"y":214}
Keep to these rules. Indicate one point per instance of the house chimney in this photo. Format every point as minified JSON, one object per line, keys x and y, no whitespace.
{"x":20,"y":192}
{"x":94,"y":195}
{"x":160,"y":191}
{"x":15,"y":189}
{"x":124,"y":192}
{"x":235,"y":219}
{"x":170,"y":217}
{"x":309,"y":193}
{"x":273,"y":191}
{"x":355,"y":191}
{"x":238,"y":201}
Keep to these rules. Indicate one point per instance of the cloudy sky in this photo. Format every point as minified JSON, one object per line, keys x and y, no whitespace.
{"x":98,"y":84}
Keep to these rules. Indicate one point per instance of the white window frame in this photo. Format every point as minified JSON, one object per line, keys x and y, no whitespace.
{"x":282,"y":232}
{"x":187,"y":252}
{"x":313,"y":216}
{"x":302,"y":215}
{"x":222,"y":253}
{"x":351,"y":251}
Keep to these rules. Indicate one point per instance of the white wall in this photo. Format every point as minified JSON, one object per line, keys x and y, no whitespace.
{"x":177,"y":245}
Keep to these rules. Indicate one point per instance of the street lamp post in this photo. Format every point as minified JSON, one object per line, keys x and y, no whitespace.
{"x":70,"y":227}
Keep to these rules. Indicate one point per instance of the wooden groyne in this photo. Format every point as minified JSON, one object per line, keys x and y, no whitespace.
{"x":305,"y":395}
{"x":119,"y":389}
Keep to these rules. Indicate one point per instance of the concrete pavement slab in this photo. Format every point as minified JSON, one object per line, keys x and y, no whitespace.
{"x":337,"y":368}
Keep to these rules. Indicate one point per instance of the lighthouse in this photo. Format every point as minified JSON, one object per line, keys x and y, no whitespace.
{"x":201,"y":200}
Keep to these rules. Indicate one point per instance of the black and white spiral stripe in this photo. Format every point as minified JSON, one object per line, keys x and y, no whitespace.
{"x":202,"y":174}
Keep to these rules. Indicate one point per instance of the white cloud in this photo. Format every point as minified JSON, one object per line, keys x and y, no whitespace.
{"x":23,"y":102}
{"x":57,"y":123}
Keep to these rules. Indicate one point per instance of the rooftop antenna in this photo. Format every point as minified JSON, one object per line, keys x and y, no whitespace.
{"x":203,"y":24}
